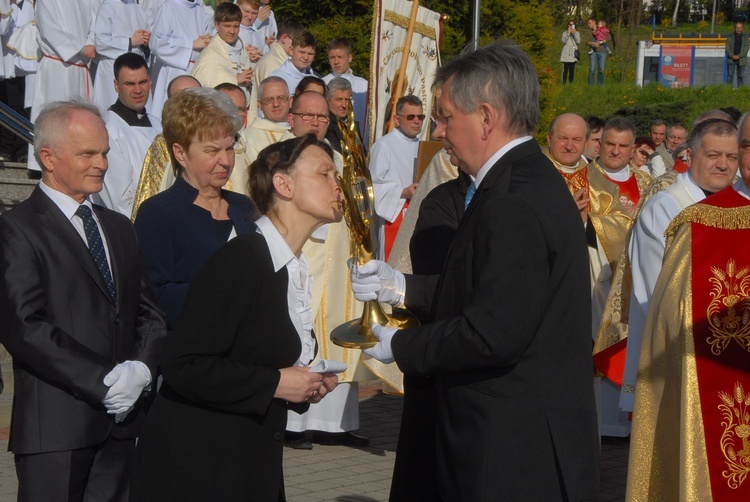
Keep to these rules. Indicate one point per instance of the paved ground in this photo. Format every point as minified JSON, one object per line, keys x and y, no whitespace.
{"x":336,"y":473}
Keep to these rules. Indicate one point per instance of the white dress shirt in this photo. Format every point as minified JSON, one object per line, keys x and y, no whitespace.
{"x":69,"y":206}
{"x":299,"y":291}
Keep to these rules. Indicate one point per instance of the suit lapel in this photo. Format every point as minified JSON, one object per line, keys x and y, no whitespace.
{"x":54,"y":220}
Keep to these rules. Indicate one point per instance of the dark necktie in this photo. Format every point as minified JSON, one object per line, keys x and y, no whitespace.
{"x":96,"y":247}
{"x":470,"y":194}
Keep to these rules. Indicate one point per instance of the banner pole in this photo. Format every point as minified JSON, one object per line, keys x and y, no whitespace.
{"x":396,"y":93}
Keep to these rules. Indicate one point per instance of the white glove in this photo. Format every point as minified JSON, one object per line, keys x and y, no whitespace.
{"x":376,"y":280}
{"x":382,"y":350}
{"x":126,"y":381}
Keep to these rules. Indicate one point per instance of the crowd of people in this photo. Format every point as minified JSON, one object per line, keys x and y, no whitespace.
{"x":196,"y":328}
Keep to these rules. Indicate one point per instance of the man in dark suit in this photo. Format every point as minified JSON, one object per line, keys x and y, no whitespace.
{"x":339,"y":96}
{"x":510,"y":347}
{"x":78,"y":319}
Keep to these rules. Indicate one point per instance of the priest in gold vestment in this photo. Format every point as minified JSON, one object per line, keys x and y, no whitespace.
{"x":607,"y":194}
{"x":691,"y":419}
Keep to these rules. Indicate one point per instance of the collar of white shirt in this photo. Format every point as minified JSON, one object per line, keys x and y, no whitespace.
{"x":497,"y":156}
{"x":66,"y":204}
{"x":404,"y":137}
{"x":281,"y":253}
{"x":742,"y":188}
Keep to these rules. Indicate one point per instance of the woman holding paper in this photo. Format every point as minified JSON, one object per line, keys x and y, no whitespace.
{"x":237,"y":358}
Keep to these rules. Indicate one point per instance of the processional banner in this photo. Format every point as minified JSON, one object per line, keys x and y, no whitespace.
{"x":389,"y":32}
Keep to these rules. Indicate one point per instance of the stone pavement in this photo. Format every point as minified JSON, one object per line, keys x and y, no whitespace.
{"x":336,"y":473}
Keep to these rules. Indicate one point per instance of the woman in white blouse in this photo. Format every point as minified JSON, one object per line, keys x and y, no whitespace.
{"x":236,"y":360}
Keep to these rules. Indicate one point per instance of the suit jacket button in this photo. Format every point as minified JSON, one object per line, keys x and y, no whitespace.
{"x":277,"y":436}
{"x":118,"y":319}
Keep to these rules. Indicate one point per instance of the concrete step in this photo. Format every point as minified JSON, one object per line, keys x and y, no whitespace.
{"x":15,"y":185}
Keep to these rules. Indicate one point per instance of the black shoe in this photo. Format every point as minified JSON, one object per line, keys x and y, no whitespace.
{"x":297,"y":441}
{"x":340,"y":438}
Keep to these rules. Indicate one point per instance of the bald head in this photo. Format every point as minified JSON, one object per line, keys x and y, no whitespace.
{"x":309,"y":114}
{"x":181,"y":83}
{"x":567,"y":137}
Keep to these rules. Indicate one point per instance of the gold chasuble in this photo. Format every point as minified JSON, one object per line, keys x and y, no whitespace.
{"x":610,"y":343}
{"x":691,"y":423}
{"x":608,"y":215}
{"x":156,"y":162}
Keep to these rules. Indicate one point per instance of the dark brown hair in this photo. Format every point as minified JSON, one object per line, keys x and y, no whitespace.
{"x":277,"y":158}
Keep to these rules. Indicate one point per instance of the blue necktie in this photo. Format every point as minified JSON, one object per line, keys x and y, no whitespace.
{"x":96,"y":247}
{"x":469,"y":194}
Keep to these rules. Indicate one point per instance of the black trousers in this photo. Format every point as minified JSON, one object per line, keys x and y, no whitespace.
{"x":94,"y":474}
{"x":569,"y":71}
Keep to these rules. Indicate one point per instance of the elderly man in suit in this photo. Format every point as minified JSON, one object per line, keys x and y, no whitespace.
{"x":78,"y":319}
{"x":510,"y":345}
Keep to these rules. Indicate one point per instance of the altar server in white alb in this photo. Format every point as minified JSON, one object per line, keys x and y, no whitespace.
{"x":392,"y":165}
{"x":181,"y":30}
{"x":16,"y":73}
{"x":225,"y":60}
{"x":120,"y":28}
{"x":298,"y":66}
{"x":131,"y":131}
{"x":66,"y":40}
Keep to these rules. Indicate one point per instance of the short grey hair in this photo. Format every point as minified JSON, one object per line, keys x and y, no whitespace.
{"x":272,"y":80}
{"x":337,"y":84}
{"x":712,"y":114}
{"x":717,"y":127}
{"x":501,"y":75}
{"x":741,"y":125}
{"x":657,"y":122}
{"x":619,"y":124}
{"x":51,"y":125}
{"x":676,"y":126}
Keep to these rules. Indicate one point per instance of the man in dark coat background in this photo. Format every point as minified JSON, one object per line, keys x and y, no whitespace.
{"x":79,"y":319}
{"x":510,"y":347}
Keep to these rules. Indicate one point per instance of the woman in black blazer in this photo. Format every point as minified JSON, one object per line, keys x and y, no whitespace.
{"x":232,"y":365}
{"x":180,"y":228}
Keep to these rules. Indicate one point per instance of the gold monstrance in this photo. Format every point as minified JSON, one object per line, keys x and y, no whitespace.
{"x":359,"y":211}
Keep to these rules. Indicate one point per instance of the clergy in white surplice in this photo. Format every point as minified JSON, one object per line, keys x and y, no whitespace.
{"x":66,"y":40}
{"x":393,"y":168}
{"x":120,"y":27}
{"x":274,"y":103}
{"x":131,"y":131}
{"x":182,"y":28}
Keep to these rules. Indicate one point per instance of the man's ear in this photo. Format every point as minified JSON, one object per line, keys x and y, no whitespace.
{"x":47,"y":159}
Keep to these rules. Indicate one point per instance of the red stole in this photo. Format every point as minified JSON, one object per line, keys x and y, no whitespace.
{"x":577,"y":180}
{"x":680,"y":166}
{"x":630,"y":195}
{"x":721,"y":332}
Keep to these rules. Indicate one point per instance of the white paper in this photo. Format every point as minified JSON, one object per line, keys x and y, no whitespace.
{"x":328,"y":366}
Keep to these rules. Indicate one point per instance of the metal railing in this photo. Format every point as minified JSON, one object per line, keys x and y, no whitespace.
{"x":16,"y":123}
{"x":688,"y":39}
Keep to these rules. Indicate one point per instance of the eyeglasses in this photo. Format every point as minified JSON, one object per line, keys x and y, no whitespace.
{"x":307,"y":117}
{"x":274,"y":99}
{"x":413,"y":116}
